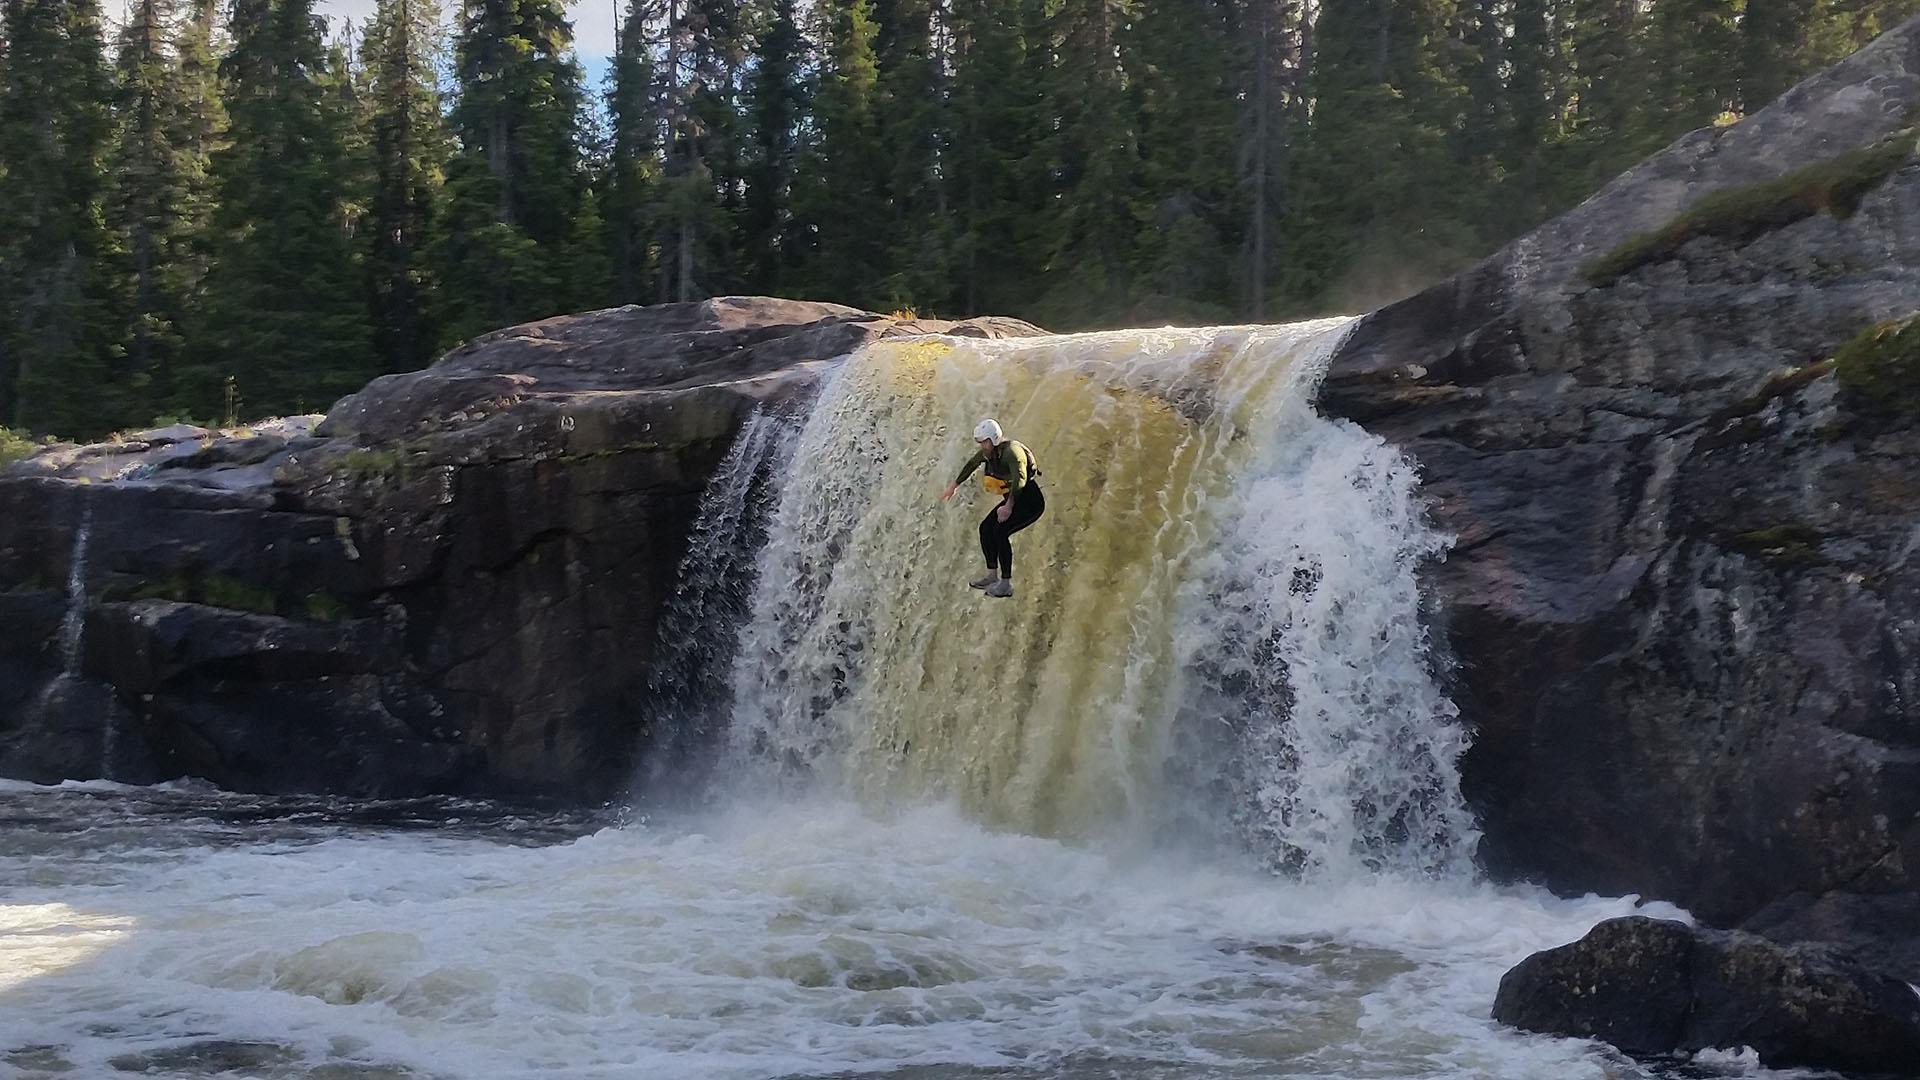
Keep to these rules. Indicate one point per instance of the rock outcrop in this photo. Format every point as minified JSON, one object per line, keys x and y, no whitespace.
{"x":451,"y":583}
{"x":1653,"y":986}
{"x":1685,"y":595}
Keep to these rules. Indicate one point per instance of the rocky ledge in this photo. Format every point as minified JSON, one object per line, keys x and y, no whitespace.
{"x":450,"y":583}
{"x":1683,"y":469}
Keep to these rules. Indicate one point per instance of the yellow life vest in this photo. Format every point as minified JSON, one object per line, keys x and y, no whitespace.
{"x":998,"y":487}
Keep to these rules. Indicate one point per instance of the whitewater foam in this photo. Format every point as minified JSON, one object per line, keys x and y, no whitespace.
{"x":805,"y":939}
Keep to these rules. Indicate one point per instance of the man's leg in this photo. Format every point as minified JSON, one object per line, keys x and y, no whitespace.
{"x":990,"y":542}
{"x":1026,"y":510}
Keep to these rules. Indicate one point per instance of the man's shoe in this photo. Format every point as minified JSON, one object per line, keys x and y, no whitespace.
{"x":985,"y":582}
{"x":1001,"y":587}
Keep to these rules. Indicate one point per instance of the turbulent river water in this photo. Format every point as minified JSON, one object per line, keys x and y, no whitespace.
{"x":1186,"y":806}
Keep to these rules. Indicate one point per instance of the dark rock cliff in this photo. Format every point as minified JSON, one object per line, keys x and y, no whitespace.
{"x":1685,"y":597}
{"x":451,"y":583}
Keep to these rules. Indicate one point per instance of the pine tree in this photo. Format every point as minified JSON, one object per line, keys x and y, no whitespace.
{"x":839,"y":195}
{"x":1185,"y":60}
{"x":636,"y":102}
{"x":589,"y":269}
{"x":55,"y":337}
{"x":1093,"y":154}
{"x":286,"y":315}
{"x":996,"y":175}
{"x":1277,"y":36}
{"x":409,"y":147}
{"x":703,"y":158}
{"x":1535,"y":91}
{"x":153,"y":169}
{"x":909,"y":93}
{"x":1694,"y":50}
{"x":515,"y":181}
{"x":1609,"y":81}
{"x":1377,"y":184}
{"x":776,"y":107}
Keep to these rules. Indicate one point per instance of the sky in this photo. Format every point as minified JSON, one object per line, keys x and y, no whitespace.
{"x":592,"y":25}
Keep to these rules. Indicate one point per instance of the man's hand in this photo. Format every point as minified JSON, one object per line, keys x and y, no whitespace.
{"x":1005,"y":511}
{"x":948,"y":494}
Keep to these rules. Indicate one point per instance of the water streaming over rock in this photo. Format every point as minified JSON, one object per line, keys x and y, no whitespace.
{"x":1214,"y":554}
{"x":688,"y":685}
{"x":71,"y":641}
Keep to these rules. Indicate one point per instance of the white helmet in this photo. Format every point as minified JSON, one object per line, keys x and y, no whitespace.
{"x":988,"y":429}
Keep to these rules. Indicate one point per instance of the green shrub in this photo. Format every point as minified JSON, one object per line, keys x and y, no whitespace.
{"x":1835,"y":186}
{"x":1879,"y":368}
{"x":15,"y":445}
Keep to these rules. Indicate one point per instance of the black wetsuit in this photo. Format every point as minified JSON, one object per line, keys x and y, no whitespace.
{"x":1013,"y":464}
{"x":995,"y":535}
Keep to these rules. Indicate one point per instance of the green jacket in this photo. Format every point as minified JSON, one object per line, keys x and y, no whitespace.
{"x":1010,"y":461}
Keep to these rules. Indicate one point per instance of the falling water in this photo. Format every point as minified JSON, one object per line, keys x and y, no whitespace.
{"x":687,"y":683}
{"x":1214,"y":553}
{"x":72,"y":631}
{"x":73,"y":624}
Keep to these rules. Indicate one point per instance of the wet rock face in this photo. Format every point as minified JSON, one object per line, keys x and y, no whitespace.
{"x":1652,"y":986}
{"x":449,"y":584}
{"x":1685,"y":596}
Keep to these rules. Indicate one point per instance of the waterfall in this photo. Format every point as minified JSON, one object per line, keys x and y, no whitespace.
{"x":73,"y":623}
{"x":1215,"y":558}
{"x":687,"y":678}
{"x":71,"y":639}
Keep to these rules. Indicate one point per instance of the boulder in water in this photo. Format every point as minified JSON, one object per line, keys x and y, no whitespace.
{"x":1655,"y":986}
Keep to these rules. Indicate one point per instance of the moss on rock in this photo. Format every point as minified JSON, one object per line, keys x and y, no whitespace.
{"x":1786,"y":545}
{"x":1835,"y":186}
{"x":1879,"y":368}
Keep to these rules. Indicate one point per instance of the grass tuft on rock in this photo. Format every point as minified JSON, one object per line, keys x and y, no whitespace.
{"x":1835,"y":186}
{"x":1879,"y":368}
{"x":14,"y":446}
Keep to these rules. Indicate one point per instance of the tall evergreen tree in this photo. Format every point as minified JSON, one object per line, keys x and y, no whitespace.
{"x":909,"y":97}
{"x":515,"y":182}
{"x":995,"y":172}
{"x":776,"y":107}
{"x":153,"y":171}
{"x":636,"y":118}
{"x":1377,"y":186}
{"x":55,"y":336}
{"x":202,"y":122}
{"x":409,"y":146}
{"x":840,"y":197}
{"x":1693,"y":57}
{"x":1277,"y":36}
{"x":1093,"y":152}
{"x":1186,"y":60}
{"x":286,"y":311}
{"x":1609,"y":79}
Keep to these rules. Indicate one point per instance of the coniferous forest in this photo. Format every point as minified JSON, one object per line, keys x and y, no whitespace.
{"x":210,"y":208}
